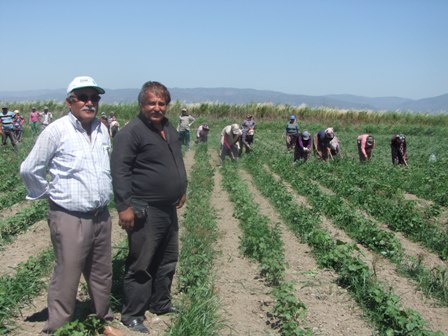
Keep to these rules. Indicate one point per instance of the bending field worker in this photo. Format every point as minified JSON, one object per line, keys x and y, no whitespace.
{"x":322,"y":143}
{"x":230,"y":141}
{"x":366,"y":144}
{"x":398,"y":149}
{"x":247,"y":138}
{"x":303,"y":146}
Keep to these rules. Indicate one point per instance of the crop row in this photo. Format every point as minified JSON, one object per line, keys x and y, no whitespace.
{"x":380,"y":304}
{"x":262,"y":242}
{"x":380,"y":200}
{"x":20,"y":288}
{"x":424,"y":178}
{"x":199,"y":305}
{"x":22,"y":220}
{"x":376,"y":192}
{"x":361,"y":228}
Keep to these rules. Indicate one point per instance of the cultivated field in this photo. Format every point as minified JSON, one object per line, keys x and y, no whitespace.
{"x":269,"y":247}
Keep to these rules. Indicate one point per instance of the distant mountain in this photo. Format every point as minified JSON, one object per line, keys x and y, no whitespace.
{"x":245,"y":96}
{"x":431,"y":105}
{"x":379,"y":103}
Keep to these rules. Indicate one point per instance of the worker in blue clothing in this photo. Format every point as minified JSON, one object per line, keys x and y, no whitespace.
{"x":291,"y":132}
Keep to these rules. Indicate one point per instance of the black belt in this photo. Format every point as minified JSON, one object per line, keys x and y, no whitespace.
{"x":91,"y":213}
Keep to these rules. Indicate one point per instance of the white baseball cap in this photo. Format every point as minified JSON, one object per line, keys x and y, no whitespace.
{"x":84,"y":82}
{"x":236,"y":129}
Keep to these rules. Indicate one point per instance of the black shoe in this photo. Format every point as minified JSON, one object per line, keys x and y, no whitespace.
{"x":137,"y":325}
{"x":169,"y":310}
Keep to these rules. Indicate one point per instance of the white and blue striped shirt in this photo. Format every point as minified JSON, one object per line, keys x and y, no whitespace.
{"x":78,"y":166}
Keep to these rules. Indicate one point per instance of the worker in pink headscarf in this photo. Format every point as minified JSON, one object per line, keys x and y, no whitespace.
{"x":366,"y":144}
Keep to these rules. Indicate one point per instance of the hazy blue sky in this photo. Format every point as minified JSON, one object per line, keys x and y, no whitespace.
{"x":372,"y":48}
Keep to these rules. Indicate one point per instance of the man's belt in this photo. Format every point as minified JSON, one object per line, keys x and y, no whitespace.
{"x":83,"y":214}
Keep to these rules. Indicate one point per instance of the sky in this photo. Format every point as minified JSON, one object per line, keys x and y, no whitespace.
{"x":373,"y":48}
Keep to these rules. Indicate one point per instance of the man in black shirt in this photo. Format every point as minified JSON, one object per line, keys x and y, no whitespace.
{"x":149,"y":181}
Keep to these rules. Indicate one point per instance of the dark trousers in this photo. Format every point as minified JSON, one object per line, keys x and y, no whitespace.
{"x":184,"y":138}
{"x":8,"y":134}
{"x":202,"y":138}
{"x":18,"y":134}
{"x":398,"y":157}
{"x":151,"y":263}
{"x":291,"y":140}
{"x":300,"y":154}
{"x":246,"y":142}
{"x":362,"y":158}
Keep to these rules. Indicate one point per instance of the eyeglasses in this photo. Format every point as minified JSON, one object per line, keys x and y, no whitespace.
{"x":85,"y":98}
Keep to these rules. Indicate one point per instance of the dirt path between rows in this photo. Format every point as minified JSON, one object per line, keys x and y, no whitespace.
{"x":436,"y":316}
{"x":244,"y":297}
{"x":441,"y":219}
{"x":12,"y":210}
{"x":31,"y":243}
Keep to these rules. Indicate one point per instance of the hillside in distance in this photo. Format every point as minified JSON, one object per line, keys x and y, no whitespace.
{"x":431,"y":105}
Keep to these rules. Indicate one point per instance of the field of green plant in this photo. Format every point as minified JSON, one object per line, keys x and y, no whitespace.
{"x":269,"y":247}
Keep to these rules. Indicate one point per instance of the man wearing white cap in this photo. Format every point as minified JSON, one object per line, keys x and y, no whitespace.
{"x":46,"y":118}
{"x":230,"y":136}
{"x":75,"y":151}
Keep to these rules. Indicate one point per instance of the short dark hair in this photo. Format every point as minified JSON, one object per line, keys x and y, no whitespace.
{"x":156,"y":88}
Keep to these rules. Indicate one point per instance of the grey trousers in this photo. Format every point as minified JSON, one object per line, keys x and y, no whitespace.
{"x":151,"y":263}
{"x":82,"y":245}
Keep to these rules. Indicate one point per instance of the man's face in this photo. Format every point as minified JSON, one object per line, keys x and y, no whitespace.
{"x":154,"y":108}
{"x":83,"y":104}
{"x":4,"y":110}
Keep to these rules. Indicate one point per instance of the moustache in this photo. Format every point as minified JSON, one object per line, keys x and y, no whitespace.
{"x":157,"y":113}
{"x":89,"y":109}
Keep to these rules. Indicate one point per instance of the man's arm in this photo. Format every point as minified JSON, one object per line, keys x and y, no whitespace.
{"x":34,"y":169}
{"x":363,"y":145}
{"x":181,"y":202}
{"x":121,"y":164}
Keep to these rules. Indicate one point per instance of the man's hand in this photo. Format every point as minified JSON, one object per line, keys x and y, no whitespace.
{"x":126,"y":219}
{"x":181,"y":202}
